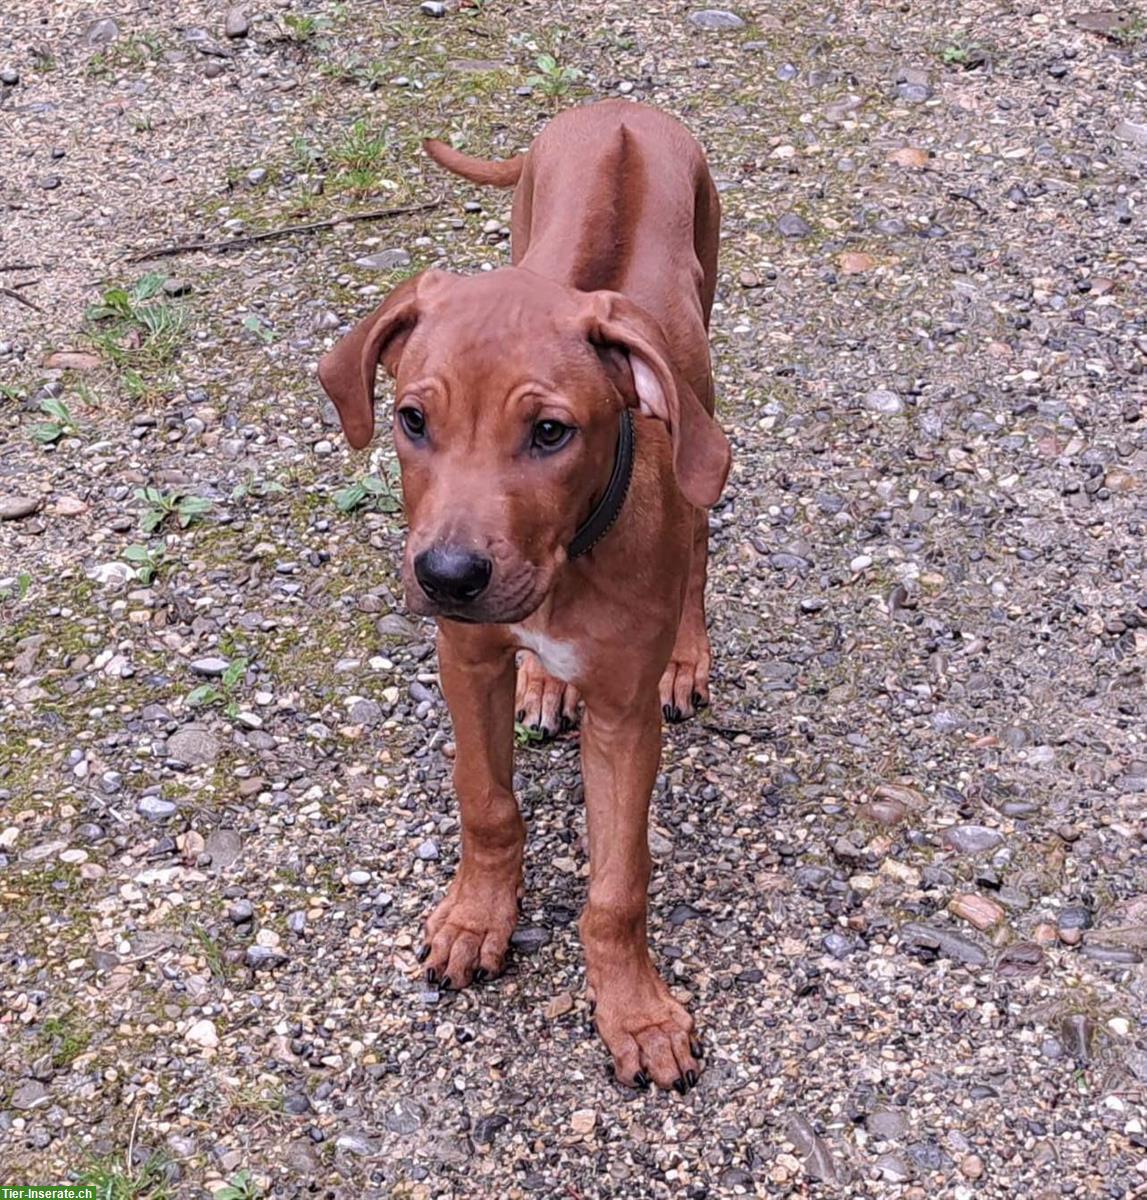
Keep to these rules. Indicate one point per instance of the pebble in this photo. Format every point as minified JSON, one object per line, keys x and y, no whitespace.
{"x":583,"y":1121}
{"x":971,"y":1166}
{"x":893,"y":1168}
{"x":428,"y":850}
{"x":792,"y":225}
{"x":716,"y":19}
{"x":102,"y":32}
{"x":155,"y":808}
{"x":223,"y":846}
{"x":193,"y":745}
{"x":881,"y":400}
{"x":203,"y":1033}
{"x":384,"y":260}
{"x":887,"y":1123}
{"x":9,"y":77}
{"x":529,"y":939}
{"x":260,"y":958}
{"x":944,"y":942}
{"x":15,"y":508}
{"x":211,"y":667}
{"x":977,"y":910}
{"x":433,"y":8}
{"x":971,"y":839}
{"x":359,"y":878}
{"x":235,"y":24}
{"x":28,"y":1095}
{"x":241,"y":912}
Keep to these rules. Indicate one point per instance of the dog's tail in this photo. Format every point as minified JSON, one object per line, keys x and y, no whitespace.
{"x":478,"y":170}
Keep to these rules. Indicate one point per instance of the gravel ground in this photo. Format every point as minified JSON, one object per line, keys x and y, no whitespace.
{"x":900,"y":863}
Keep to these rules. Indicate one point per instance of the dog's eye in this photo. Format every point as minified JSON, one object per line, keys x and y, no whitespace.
{"x":551,"y":435}
{"x":413,"y":422}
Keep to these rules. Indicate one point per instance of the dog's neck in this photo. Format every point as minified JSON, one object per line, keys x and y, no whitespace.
{"x":608,"y":508}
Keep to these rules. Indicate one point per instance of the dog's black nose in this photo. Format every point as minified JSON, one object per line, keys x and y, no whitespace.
{"x":448,"y":575}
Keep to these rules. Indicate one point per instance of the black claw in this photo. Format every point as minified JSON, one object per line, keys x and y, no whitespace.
{"x":699,"y":701}
{"x":446,"y":984}
{"x":696,"y":1049}
{"x":667,"y":712}
{"x":424,"y":953}
{"x":431,"y":976}
{"x":679,"y":1086}
{"x":678,"y":715}
{"x":480,"y":975}
{"x":566,"y":725}
{"x":641,"y":1081}
{"x":521,"y":715}
{"x":592,"y":1007}
{"x":691,"y":1077}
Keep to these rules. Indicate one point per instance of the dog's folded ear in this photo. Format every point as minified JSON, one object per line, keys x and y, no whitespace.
{"x":347,"y":371}
{"x":636,"y":354}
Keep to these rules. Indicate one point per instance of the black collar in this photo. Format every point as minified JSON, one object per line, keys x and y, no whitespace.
{"x":608,"y":508}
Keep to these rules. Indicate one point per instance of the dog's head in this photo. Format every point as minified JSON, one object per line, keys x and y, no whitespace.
{"x":507,"y":397}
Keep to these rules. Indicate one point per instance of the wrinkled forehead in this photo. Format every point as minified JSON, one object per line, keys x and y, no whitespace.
{"x":498,"y":330}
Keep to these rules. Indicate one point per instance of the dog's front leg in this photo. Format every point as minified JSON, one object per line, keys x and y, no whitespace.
{"x":468,"y":933}
{"x":647,"y":1031}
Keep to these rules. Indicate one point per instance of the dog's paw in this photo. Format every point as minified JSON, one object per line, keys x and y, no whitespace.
{"x":650,"y":1035}
{"x":685,"y":682}
{"x":545,"y":706}
{"x":468,"y":934}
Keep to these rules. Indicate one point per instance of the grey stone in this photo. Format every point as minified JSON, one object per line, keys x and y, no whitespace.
{"x":887,"y":1123}
{"x":819,"y":1162}
{"x":13,"y":507}
{"x":406,"y":1117}
{"x":971,"y":839}
{"x":365,"y":712}
{"x":30,"y":1094}
{"x":102,"y":32}
{"x":264,"y":958}
{"x":716,"y":19}
{"x":9,"y":78}
{"x":433,"y":8}
{"x":256,"y":176}
{"x":792,"y":225}
{"x":193,"y":745}
{"x":893,"y":1168}
{"x":428,"y":850}
{"x":914,"y":93}
{"x":397,"y":626}
{"x":235,"y":24}
{"x":384,"y":260}
{"x":943,"y":942}
{"x":224,"y":846}
{"x":297,"y":922}
{"x":881,"y":400}
{"x":485,"y":1128}
{"x":359,"y":878}
{"x":241,"y":912}
{"x":355,"y":1143}
{"x":529,"y":939}
{"x":212,"y":666}
{"x":155,"y":808}
{"x":1129,"y":131}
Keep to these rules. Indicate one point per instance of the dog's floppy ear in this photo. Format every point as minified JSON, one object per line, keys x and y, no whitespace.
{"x":347,"y":371}
{"x":646,"y":378}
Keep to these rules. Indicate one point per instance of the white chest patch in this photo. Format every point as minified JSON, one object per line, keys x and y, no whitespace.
{"x":560,"y":659}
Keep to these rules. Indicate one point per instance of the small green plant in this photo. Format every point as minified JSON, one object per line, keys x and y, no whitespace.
{"x":146,"y":562}
{"x":259,"y":489}
{"x":1133,"y":29}
{"x":553,"y":79}
{"x":372,"y":493}
{"x":212,"y":952}
{"x":134,"y":326}
{"x":60,"y":422}
{"x":66,"y":1037}
{"x":301,"y":29}
{"x":161,"y":506}
{"x":111,"y":1179}
{"x":525,"y":738}
{"x":209,"y":694}
{"x":256,"y":325}
{"x":241,"y":1186}
{"x":16,"y":587}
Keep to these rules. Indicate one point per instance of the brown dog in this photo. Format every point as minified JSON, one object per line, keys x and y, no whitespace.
{"x":554,"y":427}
